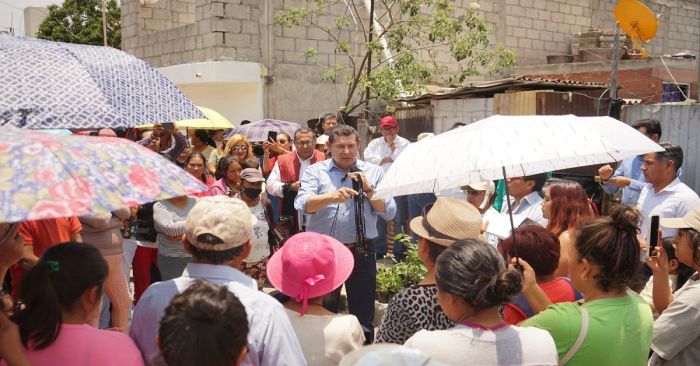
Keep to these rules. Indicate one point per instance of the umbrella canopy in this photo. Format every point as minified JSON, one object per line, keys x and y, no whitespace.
{"x":47,"y":176}
{"x":257,"y":131}
{"x":524,"y":145}
{"x":213,"y":121}
{"x":48,"y":85}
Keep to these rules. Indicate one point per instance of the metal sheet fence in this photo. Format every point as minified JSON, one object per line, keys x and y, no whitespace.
{"x":680,"y":124}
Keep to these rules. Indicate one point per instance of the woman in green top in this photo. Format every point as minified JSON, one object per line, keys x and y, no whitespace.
{"x":603,"y":262}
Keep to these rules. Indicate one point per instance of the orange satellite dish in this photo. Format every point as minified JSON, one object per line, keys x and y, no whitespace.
{"x":637,"y":21}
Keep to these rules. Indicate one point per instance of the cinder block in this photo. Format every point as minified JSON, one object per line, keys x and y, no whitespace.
{"x":236,"y":39}
{"x":533,"y":34}
{"x":524,"y":43}
{"x":540,"y":4}
{"x":217,"y":9}
{"x":557,"y":17}
{"x":302,"y":45}
{"x":199,"y":55}
{"x":237,"y":11}
{"x":248,"y":54}
{"x":564,"y":8}
{"x":250,"y":27}
{"x":538,"y":24}
{"x":226,"y":25}
{"x":285,"y":44}
{"x":317,"y":34}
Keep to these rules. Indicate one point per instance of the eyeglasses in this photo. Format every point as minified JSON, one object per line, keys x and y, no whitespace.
{"x":239,"y":148}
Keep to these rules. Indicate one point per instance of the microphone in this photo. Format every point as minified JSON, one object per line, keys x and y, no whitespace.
{"x":356,"y":184}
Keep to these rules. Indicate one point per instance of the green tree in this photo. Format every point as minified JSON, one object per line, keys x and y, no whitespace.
{"x":80,"y":21}
{"x":423,"y":36}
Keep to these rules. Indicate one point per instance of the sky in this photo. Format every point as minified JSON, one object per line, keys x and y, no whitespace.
{"x":12,"y":12}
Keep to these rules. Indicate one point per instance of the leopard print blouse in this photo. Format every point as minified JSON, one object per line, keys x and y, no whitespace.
{"x":409,"y":311}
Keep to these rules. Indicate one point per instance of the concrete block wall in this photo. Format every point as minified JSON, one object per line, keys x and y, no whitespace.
{"x":244,"y":30}
{"x":171,"y":32}
{"x":447,"y":112}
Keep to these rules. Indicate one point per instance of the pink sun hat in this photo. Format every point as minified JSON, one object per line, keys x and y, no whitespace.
{"x":309,"y":265}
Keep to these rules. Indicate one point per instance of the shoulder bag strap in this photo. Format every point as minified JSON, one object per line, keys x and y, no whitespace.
{"x":581,"y":336}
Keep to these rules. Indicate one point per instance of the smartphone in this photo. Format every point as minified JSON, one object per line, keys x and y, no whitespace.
{"x":654,"y":234}
{"x":272,"y":136}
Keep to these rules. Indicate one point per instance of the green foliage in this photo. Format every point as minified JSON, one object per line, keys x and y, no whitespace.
{"x":429,"y":42}
{"x":393,"y":279}
{"x":80,"y":21}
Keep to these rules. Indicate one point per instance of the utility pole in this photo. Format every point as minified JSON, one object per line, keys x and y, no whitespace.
{"x":104,"y":23}
{"x":616,"y":60}
{"x":369,"y":57}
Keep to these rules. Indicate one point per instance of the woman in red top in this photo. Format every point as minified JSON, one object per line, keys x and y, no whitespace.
{"x":195,"y":164}
{"x":565,"y":204}
{"x":540,"y":248}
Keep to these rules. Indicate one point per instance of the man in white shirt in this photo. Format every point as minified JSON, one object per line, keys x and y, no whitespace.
{"x":383,"y":151}
{"x":525,"y":197}
{"x":664,"y":194}
{"x":329,"y":121}
{"x":284,"y":179}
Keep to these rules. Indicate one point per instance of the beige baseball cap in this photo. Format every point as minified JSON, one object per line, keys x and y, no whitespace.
{"x":689,"y":221}
{"x":448,"y":221}
{"x":482,"y":186}
{"x":228,"y":219}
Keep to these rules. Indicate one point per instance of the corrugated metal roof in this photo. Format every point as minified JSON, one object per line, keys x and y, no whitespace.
{"x":489,"y":88}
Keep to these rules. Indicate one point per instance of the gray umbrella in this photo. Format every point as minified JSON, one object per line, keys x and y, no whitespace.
{"x":48,"y":85}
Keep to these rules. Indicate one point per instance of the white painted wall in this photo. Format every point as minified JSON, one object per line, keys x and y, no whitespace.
{"x":232,"y":88}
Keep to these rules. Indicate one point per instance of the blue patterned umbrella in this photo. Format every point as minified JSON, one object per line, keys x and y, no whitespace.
{"x":49,"y":85}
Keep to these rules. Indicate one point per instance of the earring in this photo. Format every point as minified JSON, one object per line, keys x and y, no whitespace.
{"x":583,"y":277}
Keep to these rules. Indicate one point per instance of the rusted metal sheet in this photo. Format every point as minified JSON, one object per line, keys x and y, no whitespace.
{"x":583,"y":103}
{"x":414,"y":121}
{"x":516,"y":103}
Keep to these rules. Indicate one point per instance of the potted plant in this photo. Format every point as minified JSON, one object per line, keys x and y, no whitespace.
{"x":394,"y":278}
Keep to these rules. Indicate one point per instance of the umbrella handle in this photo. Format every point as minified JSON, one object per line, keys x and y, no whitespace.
{"x":512,"y":225}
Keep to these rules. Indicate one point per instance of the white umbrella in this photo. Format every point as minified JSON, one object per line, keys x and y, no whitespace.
{"x":523,"y":145}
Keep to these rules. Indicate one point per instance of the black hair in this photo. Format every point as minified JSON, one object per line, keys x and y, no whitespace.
{"x":303,"y":130}
{"x":611,"y":243}
{"x":684,"y":272}
{"x":652,"y":126}
{"x":193,"y":155}
{"x":250,"y":163}
{"x":204,"y":325}
{"x":342,"y":130}
{"x":327,"y":116}
{"x":539,"y":179}
{"x":58,"y":280}
{"x":223,"y":165}
{"x":472,"y":270}
{"x":244,"y":122}
{"x":203,"y":136}
{"x":673,"y":153}
{"x":457,"y":125}
{"x":213,"y":256}
{"x":434,"y":250}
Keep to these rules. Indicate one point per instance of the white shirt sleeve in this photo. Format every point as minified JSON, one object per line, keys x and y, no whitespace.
{"x":274,"y":185}
{"x":373,"y":152}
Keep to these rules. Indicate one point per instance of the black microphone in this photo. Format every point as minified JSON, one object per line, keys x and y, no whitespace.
{"x":357,"y":183}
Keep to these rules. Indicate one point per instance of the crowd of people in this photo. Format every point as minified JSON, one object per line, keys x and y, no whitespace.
{"x":568,"y":286}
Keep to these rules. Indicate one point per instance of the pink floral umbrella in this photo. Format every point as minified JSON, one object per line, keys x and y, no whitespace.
{"x":47,"y":176}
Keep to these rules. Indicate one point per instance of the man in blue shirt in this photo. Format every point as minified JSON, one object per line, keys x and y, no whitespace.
{"x":628,"y":174}
{"x":327,"y":198}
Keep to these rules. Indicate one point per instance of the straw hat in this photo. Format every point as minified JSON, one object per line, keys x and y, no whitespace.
{"x":309,"y":265}
{"x":448,"y":221}
{"x":690,"y":221}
